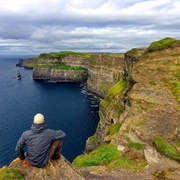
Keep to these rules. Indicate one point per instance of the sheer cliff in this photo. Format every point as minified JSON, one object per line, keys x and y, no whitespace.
{"x":138,"y":135}
{"x":100,"y":71}
{"x":141,"y":113}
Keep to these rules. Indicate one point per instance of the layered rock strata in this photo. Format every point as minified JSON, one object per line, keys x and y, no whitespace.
{"x":103,"y":70}
{"x":141,"y":95}
{"x":60,"y":75}
{"x":148,"y":110}
{"x":23,"y":62}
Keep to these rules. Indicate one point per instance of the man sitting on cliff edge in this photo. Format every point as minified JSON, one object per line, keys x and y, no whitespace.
{"x":42,"y":144}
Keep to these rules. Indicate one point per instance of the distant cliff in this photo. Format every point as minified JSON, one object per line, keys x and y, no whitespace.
{"x":100,"y":71}
{"x":138,"y":134}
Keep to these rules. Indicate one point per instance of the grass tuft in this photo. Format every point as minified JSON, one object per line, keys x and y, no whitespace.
{"x":118,"y":88}
{"x":108,"y":156}
{"x":67,"y":67}
{"x":166,"y":148}
{"x":94,"y":138}
{"x":163,"y":44}
{"x":176,"y":90}
{"x":59,"y":55}
{"x":135,"y":145}
{"x":113,"y":129}
{"x":10,"y":173}
{"x":100,"y":156}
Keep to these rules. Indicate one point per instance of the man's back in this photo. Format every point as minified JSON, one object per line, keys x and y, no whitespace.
{"x":38,"y":141}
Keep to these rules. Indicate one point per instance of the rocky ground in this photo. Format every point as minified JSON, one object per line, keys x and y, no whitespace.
{"x":60,"y":169}
{"x":153,"y":171}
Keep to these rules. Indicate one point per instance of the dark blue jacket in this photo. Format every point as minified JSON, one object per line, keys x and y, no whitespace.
{"x":38,"y":141}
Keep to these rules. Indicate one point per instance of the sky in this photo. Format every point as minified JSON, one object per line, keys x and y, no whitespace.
{"x":113,"y":26}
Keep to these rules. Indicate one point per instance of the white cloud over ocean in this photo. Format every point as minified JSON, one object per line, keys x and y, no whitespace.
{"x":36,"y":26}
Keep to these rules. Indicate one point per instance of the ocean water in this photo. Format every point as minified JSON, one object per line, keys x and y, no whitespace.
{"x":66,"y":106}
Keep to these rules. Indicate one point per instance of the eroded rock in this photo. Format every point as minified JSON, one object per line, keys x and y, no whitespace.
{"x":60,"y":169}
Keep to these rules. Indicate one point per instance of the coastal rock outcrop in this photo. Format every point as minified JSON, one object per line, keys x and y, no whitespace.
{"x":142,"y":109}
{"x":149,"y":104}
{"x":139,"y":111}
{"x":23,"y":62}
{"x":60,"y":169}
{"x":100,"y":71}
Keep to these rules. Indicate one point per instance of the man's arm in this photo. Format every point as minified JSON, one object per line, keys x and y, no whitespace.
{"x":19,"y":147}
{"x":57,"y":134}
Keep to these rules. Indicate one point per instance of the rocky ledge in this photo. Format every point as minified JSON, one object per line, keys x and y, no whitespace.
{"x":60,"y":169}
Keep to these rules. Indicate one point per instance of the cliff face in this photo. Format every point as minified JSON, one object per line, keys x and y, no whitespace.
{"x":147,"y":110}
{"x":60,"y":75}
{"x":149,"y":105}
{"x":24,"y":62}
{"x":139,"y":113}
{"x":103,"y":70}
{"x":153,"y":100}
{"x":72,"y":60}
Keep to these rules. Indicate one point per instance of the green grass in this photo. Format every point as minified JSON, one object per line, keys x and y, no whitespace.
{"x":108,"y":62}
{"x":152,"y":83}
{"x":140,"y":123}
{"x":124,"y":162}
{"x":32,"y":64}
{"x":108,"y":156}
{"x":166,"y":148}
{"x":163,"y":44}
{"x":178,"y":74}
{"x":133,"y":52}
{"x":100,"y":156}
{"x":67,"y":67}
{"x":118,"y":88}
{"x":176,"y":90}
{"x":135,"y":145}
{"x":44,"y":66}
{"x":128,"y":164}
{"x":93,"y":61}
{"x":35,"y":57}
{"x":104,"y":103}
{"x":61,"y":54}
{"x":10,"y":174}
{"x":113,"y":129}
{"x":177,"y":144}
{"x":72,"y":53}
{"x":94,"y":138}
{"x":35,"y":65}
{"x":105,"y":87}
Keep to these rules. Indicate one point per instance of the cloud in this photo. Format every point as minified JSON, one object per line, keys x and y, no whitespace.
{"x":36,"y":26}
